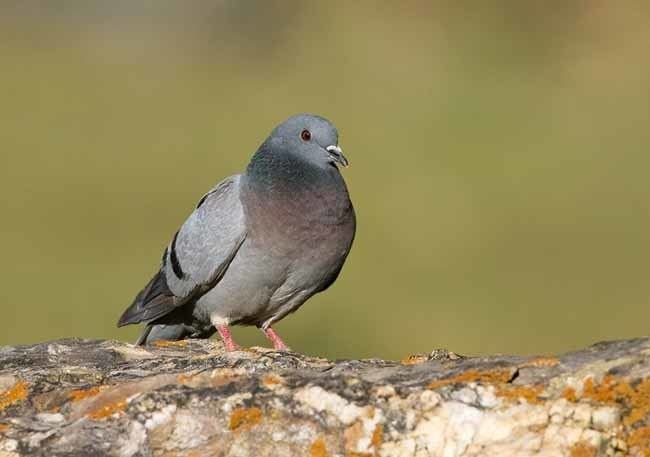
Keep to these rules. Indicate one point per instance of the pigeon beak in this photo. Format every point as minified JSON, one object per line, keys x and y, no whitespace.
{"x":337,"y":154}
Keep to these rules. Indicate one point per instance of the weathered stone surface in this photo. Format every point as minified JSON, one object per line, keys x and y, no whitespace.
{"x":105,"y":398}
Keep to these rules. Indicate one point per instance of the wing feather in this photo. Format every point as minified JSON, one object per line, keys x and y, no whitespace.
{"x":197,"y":257}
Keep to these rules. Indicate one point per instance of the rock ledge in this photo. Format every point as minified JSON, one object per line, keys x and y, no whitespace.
{"x":189,"y":398}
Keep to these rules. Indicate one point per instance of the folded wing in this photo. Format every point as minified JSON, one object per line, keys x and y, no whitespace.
{"x":197,"y":257}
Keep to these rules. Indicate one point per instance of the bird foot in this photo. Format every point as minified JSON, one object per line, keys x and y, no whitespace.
{"x":226,"y":337}
{"x":274,"y":338}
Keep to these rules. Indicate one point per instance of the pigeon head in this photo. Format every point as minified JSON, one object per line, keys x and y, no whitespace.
{"x":301,"y":152}
{"x":309,"y":138}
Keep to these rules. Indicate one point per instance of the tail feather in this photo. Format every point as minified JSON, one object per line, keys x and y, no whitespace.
{"x":142,"y":339}
{"x":153,"y":302}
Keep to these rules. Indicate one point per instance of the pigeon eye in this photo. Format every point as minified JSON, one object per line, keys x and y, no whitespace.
{"x":305,"y":135}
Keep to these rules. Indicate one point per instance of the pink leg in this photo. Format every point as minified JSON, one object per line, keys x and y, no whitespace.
{"x":226,"y":337}
{"x":275,"y":339}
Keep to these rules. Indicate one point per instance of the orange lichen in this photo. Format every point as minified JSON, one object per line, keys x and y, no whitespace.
{"x":80,"y":394}
{"x":377,"y":437}
{"x":271,"y":380}
{"x":530,"y":394}
{"x":107,"y":410}
{"x":170,"y":343}
{"x":639,"y":402}
{"x":3,"y":427}
{"x":354,"y":435}
{"x":500,"y":378}
{"x":633,"y":398}
{"x":414,"y":359}
{"x":570,"y":394}
{"x":612,"y":390}
{"x":605,"y":392}
{"x":583,"y":450}
{"x":540,"y":362}
{"x":318,"y":448}
{"x":489,"y":377}
{"x":17,"y":393}
{"x":639,"y":439}
{"x":184,"y":378}
{"x":245,"y":418}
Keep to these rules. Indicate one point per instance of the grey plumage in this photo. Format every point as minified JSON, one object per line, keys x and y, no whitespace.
{"x":258,"y":245}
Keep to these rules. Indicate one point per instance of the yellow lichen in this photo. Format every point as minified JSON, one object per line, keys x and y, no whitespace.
{"x":107,"y":410}
{"x":530,"y":394}
{"x":16,"y":394}
{"x":243,"y":418}
{"x":583,"y":450}
{"x":170,"y":343}
{"x":76,"y":395}
{"x":318,"y":448}
{"x":488,"y":376}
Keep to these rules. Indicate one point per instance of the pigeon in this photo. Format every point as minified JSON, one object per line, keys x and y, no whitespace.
{"x":258,"y":245}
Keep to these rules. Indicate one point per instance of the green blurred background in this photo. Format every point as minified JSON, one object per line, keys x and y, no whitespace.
{"x":499,"y":156}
